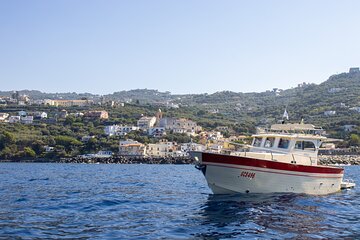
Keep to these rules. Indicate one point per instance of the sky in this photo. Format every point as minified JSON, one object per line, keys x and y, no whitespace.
{"x":187,"y":46}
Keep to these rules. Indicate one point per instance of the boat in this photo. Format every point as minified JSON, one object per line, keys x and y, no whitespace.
{"x":281,"y":159}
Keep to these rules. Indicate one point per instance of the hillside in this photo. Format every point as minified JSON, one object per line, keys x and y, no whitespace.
{"x":308,"y":101}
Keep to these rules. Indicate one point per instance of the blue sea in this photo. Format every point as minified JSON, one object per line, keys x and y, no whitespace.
{"x":79,"y":201}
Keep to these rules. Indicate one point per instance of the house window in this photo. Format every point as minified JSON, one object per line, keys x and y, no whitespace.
{"x":305,"y":145}
{"x":284,"y":143}
{"x":269,"y":142}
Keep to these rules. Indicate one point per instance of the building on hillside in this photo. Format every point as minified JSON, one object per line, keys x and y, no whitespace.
{"x":181,"y":125}
{"x":144,"y":123}
{"x":14,"y":119}
{"x":328,"y":146}
{"x":3,"y":116}
{"x":97,"y":114}
{"x":335,"y":90}
{"x":162,"y":149}
{"x":156,"y":132}
{"x":191,"y":146}
{"x":119,"y":130}
{"x":215,"y":148}
{"x":87,"y":138}
{"x":49,"y":149}
{"x":223,"y":128}
{"x":124,"y":130}
{"x":27,"y":119}
{"x":111,"y":130}
{"x":68,"y":103}
{"x":63,"y":114}
{"x":355,"y":109}
{"x":239,"y":139}
{"x":158,"y":116}
{"x":340,"y":105}
{"x":348,"y":128}
{"x":131,"y":148}
{"x":22,"y":113}
{"x":37,"y":102}
{"x":214,"y":136}
{"x":40,"y":115}
{"x":354,"y":70}
{"x":329,"y":113}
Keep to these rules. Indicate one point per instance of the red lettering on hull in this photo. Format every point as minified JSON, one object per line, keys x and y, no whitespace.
{"x":246,"y":174}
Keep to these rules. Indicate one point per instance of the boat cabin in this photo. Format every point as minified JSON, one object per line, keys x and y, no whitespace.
{"x":293,"y":143}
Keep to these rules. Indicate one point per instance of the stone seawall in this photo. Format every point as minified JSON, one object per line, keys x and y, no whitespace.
{"x":323,"y":160}
{"x":129,"y":160}
{"x":339,"y":159}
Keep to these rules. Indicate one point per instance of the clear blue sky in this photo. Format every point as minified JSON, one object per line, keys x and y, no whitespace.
{"x":179,"y":46}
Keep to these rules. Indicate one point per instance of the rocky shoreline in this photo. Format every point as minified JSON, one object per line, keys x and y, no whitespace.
{"x":130,"y":160}
{"x":323,"y":160}
{"x":339,"y":159}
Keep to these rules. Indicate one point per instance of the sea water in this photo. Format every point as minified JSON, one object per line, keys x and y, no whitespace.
{"x":78,"y":201}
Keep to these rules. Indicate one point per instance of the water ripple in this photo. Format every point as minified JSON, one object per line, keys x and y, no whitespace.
{"x":74,"y":201}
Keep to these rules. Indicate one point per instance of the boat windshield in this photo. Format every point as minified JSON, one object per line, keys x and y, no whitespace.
{"x":257,"y":142}
{"x":269,"y":142}
{"x":284,"y":143}
{"x":305,"y":145}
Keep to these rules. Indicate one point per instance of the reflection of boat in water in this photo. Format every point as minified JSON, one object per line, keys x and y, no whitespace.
{"x":281,"y":159}
{"x":260,"y":216}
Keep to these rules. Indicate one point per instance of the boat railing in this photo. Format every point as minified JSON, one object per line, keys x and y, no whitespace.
{"x":274,"y":152}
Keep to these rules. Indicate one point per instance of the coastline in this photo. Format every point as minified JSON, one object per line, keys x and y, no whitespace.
{"x":323,"y":160}
{"x":108,"y":160}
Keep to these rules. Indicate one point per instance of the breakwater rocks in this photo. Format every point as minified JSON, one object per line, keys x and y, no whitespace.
{"x":129,"y":160}
{"x":339,"y":159}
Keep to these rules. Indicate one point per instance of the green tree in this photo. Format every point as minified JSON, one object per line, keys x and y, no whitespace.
{"x":354,"y":140}
{"x":29,"y":152}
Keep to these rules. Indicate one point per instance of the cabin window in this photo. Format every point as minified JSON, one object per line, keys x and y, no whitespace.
{"x":257,"y":142}
{"x":284,"y":143}
{"x":305,"y":145}
{"x":269,"y":142}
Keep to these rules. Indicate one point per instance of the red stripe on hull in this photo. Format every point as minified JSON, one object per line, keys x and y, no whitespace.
{"x":269,"y":171}
{"x":251,"y":162}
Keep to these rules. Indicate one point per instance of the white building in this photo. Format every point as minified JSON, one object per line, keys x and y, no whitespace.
{"x":131,"y":148}
{"x":14,"y":119}
{"x":126,"y":129}
{"x":144,"y":123}
{"x":187,"y":147}
{"x":329,"y":113}
{"x":181,"y":125}
{"x":216,"y":148}
{"x":86,"y":138}
{"x":27,"y":119}
{"x":111,"y":130}
{"x":162,"y":149}
{"x":3,"y":116}
{"x":119,"y":130}
{"x":355,"y":109}
{"x":41,"y":115}
{"x":22,"y":113}
{"x":335,"y":90}
{"x":349,"y":128}
{"x":214,"y":136}
{"x":157,"y":132}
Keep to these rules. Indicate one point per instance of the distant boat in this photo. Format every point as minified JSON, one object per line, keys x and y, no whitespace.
{"x":100,"y":154}
{"x":280,"y":159}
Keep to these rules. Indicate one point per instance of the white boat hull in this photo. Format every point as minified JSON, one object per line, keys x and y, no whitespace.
{"x":236,"y":176}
